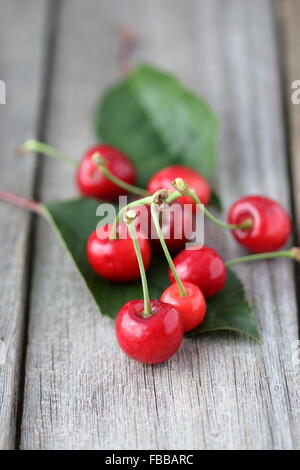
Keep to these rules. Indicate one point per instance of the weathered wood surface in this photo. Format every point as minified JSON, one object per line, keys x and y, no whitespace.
{"x":219,"y":392}
{"x":22,"y":47}
{"x":289,"y":14}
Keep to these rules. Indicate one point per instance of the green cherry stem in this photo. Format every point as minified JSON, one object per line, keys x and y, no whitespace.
{"x":293,"y":253}
{"x":245,"y":225}
{"x":129,"y":218}
{"x":161,"y":194}
{"x":101,"y":164}
{"x":173,"y":196}
{"x":180,"y":186}
{"x":45,"y":149}
{"x":181,"y":288}
{"x":145,"y":200}
{"x":183,"y":188}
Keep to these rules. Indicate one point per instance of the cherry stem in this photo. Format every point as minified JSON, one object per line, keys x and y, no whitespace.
{"x":293,"y":253}
{"x":184,"y":191}
{"x":101,"y":164}
{"x":179,"y":283}
{"x":130,"y":217}
{"x":181,"y":187}
{"x":45,"y":149}
{"x":19,"y":201}
{"x":146,"y":200}
{"x":245,"y":225}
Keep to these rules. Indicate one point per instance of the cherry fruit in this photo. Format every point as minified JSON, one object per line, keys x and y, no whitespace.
{"x":191,"y":307}
{"x":93,"y":183}
{"x":152,"y":339}
{"x":115,"y":259}
{"x":176,"y":226}
{"x":271,"y":225}
{"x":203,"y":267}
{"x":165,"y":177}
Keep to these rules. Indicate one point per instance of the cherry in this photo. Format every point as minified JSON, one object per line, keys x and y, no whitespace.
{"x":151,"y":339}
{"x":165,"y":177}
{"x":175,"y":235}
{"x":271,"y":225}
{"x":186,"y":297}
{"x":104,"y":171}
{"x":176,"y":226}
{"x":191,"y":307}
{"x":143,"y":222}
{"x":147,"y":330}
{"x":115,"y":259}
{"x":93,"y":183}
{"x":202,"y":267}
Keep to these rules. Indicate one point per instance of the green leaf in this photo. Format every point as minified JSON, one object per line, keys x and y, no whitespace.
{"x":74,"y":220}
{"x":229,"y":310}
{"x":156,"y":121}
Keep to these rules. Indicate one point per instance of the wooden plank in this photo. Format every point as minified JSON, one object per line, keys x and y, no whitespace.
{"x":219,"y":392}
{"x":289,"y":14}
{"x":22,"y":41}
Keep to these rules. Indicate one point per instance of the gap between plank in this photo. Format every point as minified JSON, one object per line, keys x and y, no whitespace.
{"x":53,"y":14}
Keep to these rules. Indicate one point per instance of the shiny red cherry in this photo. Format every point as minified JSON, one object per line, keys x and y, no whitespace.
{"x":192,"y":308}
{"x":149,"y":340}
{"x":271,"y":225}
{"x":203,"y":267}
{"x":163,"y":179}
{"x":93,"y":183}
{"x":176,"y":225}
{"x":116,"y":259}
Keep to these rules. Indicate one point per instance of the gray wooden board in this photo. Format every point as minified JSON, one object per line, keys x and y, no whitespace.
{"x":218,"y":392}
{"x":22,"y":37}
{"x":289,"y":14}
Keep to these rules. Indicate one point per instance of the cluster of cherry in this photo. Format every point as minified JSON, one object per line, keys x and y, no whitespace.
{"x":151,"y":331}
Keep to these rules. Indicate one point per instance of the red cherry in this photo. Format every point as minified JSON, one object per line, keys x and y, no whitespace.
{"x":115,"y":259}
{"x":149,"y":340}
{"x":93,"y":183}
{"x":271,"y":224}
{"x":203,"y":267}
{"x":143,"y":220}
{"x":191,"y":308}
{"x":163,"y":179}
{"x":176,"y":225}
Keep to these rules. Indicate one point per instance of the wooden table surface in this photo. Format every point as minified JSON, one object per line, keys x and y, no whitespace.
{"x":64,"y":384}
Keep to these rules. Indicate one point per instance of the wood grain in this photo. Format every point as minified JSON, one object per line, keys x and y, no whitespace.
{"x":22,"y":41}
{"x":289,"y":14}
{"x":218,"y":392}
